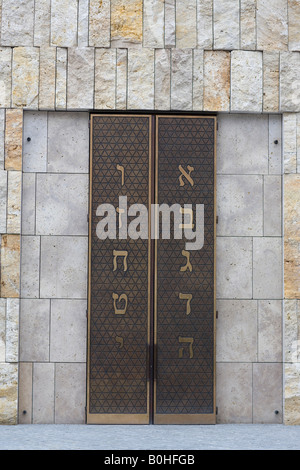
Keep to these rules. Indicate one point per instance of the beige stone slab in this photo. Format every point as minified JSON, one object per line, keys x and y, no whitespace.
{"x":205,"y":24}
{"x":43,"y":394}
{"x":272,"y":25}
{"x":34,"y":330}
{"x":126,"y":23}
{"x":70,"y":393}
{"x":275,"y":144}
{"x":3,"y":200}
{"x":8,"y":393}
{"x":162,"y":79}
{"x":80,"y":89}
{"x":186,"y":29}
{"x":246,"y":81}
{"x":13,"y":139}
{"x":105,"y":78}
{"x":289,"y":131}
{"x":25,"y":77}
{"x":226,"y":24}
{"x":270,"y":331}
{"x":153,"y":23}
{"x":181,"y":79}
{"x":292,"y":394}
{"x":198,"y":79}
{"x":35,"y":145}
{"x":99,"y":23}
{"x":291,"y":236}
{"x":64,"y":23}
{"x":298,"y":142}
{"x":83,"y":23}
{"x":2,"y":138}
{"x":2,"y":329}
{"x":267,"y":268}
{"x":291,"y":328}
{"x":25,"y":392}
{"x":61,"y":79}
{"x":12,"y":330}
{"x":293,"y":25}
{"x":10,"y":266}
{"x":47,"y":78}
{"x":5,"y":77}
{"x":140,"y":78}
{"x":290,"y":82}
{"x":14,"y":191}
{"x":267,"y":393}
{"x":271,"y":82}
{"x":42,"y":21}
{"x":272,"y":205}
{"x":121,"y":79}
{"x":17,"y":23}
{"x":248,"y":24}
{"x":170,"y":27}
{"x":236,"y":331}
{"x":216,"y":80}
{"x":234,"y":392}
{"x":30,"y":267}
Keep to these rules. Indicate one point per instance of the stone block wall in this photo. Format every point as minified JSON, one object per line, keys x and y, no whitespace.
{"x":238,"y":56}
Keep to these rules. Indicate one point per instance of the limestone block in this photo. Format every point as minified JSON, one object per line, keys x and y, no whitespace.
{"x":162,"y":78}
{"x":291,"y":328}
{"x":25,"y":77}
{"x":121,"y":79}
{"x":68,"y":142}
{"x":186,"y":31}
{"x":43,"y":394}
{"x":99,"y":23}
{"x":170,"y":27}
{"x":246,"y":81}
{"x":181,"y":79}
{"x":67,"y":257}
{"x":298,"y":143}
{"x":248,"y":24}
{"x":126,"y":23}
{"x":3,"y":200}
{"x":13,"y":139}
{"x":10,"y":266}
{"x":68,"y":330}
{"x":293,"y":25}
{"x":205,"y":24}
{"x":17,"y":23}
{"x":83,"y":23}
{"x":289,"y":81}
{"x":64,"y":23}
{"x":30,"y":267}
{"x":61,"y":204}
{"x":267,"y":268}
{"x":267,"y":393}
{"x":42,"y":20}
{"x":275,"y":144}
{"x":242,"y":144}
{"x":61,"y":79}
{"x":2,"y":329}
{"x":271,"y":82}
{"x":292,"y":394}
{"x":289,"y":143}
{"x":14,"y":191}
{"x":35,"y":141}
{"x":236,"y":331}
{"x":226,"y":24}
{"x":140,"y":78}
{"x":198,"y":79}
{"x":47,"y":78}
{"x":34,"y":330}
{"x":291,"y":236}
{"x":272,"y":25}
{"x":153,"y":23}
{"x":2,"y":137}
{"x":270,"y":331}
{"x":234,"y":392}
{"x":70,"y":395}
{"x":105,"y":78}
{"x":216,"y":80}
{"x":8,"y":393}
{"x":25,"y":392}
{"x":5,"y":78}
{"x":12,"y":330}
{"x":272,"y":205}
{"x":234,"y":267}
{"x":239,"y":205}
{"x":80,"y":89}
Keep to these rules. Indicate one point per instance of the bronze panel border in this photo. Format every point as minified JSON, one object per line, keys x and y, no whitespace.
{"x":185,"y":418}
{"x":95,"y":418}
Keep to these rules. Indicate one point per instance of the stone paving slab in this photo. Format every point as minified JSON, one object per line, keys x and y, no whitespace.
{"x":171,"y":437}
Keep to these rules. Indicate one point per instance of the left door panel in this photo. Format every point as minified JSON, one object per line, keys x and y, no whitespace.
{"x":119,"y":300}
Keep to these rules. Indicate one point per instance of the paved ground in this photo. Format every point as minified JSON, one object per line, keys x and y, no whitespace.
{"x":92,"y":437}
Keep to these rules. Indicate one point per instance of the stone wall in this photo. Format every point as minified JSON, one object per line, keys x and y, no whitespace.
{"x":238,"y":56}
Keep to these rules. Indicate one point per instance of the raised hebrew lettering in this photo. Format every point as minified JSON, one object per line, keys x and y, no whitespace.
{"x":117,"y":253}
{"x":187,"y":297}
{"x":122,"y":170}
{"x":189,"y":212}
{"x":186,"y":175}
{"x":188,"y":265}
{"x":120,"y":340}
{"x":190,"y":342}
{"x":116,"y":297}
{"x":120,"y":212}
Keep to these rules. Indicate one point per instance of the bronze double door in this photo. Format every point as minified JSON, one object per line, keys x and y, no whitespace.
{"x":151,"y":302}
